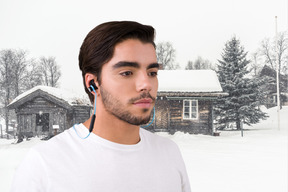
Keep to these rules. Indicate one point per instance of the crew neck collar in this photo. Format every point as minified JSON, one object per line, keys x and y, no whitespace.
{"x":82,"y":131}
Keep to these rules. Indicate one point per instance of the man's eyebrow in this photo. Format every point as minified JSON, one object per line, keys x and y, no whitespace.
{"x":134,"y":64}
{"x":126,"y":64}
{"x":153,"y":65}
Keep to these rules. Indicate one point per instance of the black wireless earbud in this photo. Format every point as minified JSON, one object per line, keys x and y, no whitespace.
{"x":92,"y":85}
{"x":93,"y":88}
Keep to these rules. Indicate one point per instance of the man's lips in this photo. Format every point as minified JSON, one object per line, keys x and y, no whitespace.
{"x":146,"y":103}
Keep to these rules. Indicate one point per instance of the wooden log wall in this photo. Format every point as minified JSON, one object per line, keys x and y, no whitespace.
{"x":81,"y":114}
{"x":26,"y":116}
{"x":175,"y":121}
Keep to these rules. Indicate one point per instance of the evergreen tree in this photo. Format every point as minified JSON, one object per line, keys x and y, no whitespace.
{"x":245,"y":94}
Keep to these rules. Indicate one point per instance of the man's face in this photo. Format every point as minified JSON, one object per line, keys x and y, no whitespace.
{"x":129,"y":82}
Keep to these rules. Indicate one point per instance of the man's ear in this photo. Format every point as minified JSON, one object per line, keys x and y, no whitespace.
{"x":89,"y":77}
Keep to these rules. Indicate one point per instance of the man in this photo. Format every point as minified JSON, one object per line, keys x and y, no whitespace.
{"x":118,"y":60}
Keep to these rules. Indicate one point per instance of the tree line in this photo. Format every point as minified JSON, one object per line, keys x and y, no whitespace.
{"x":268,"y":52}
{"x":18,"y":73}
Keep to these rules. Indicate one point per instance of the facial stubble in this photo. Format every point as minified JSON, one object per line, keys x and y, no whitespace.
{"x":117,"y":109}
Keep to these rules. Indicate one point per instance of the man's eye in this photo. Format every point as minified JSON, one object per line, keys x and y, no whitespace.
{"x":126,"y":73}
{"x":153,"y":74}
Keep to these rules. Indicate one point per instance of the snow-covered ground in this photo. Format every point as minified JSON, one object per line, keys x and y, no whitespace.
{"x":255,"y":162}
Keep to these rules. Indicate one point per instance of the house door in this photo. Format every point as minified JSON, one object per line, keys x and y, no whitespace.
{"x":163,"y":120}
{"x":43,"y":121}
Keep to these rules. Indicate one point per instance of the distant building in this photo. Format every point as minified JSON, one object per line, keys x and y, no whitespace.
{"x":185,"y":101}
{"x":271,"y":87}
{"x":41,"y":108}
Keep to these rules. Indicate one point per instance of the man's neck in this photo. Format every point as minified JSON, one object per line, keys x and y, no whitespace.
{"x":113,"y":129}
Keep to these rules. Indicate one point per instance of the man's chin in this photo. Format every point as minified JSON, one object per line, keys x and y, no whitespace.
{"x":145,"y":110}
{"x":140,"y":121}
{"x":134,"y":117}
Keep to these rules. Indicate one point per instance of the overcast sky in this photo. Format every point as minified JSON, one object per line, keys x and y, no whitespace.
{"x":195,"y":28}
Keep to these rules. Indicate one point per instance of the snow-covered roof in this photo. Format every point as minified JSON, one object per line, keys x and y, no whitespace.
{"x":70,"y":97}
{"x":194,"y":81}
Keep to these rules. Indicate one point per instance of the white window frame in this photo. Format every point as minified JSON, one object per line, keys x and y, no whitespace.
{"x":191,"y":112}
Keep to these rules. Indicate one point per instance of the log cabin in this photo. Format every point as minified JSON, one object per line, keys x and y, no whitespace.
{"x":185,"y":101}
{"x":45,"y":110}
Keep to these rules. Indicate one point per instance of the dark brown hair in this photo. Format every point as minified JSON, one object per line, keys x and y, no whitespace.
{"x":98,"y":46}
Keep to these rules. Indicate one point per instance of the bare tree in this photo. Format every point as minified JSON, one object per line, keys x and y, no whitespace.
{"x":33,"y":75}
{"x":190,"y":65}
{"x":276,"y":52}
{"x":166,"y":55}
{"x":199,"y":63}
{"x":19,"y":71}
{"x":256,"y":63}
{"x":6,"y":80}
{"x":50,"y":71}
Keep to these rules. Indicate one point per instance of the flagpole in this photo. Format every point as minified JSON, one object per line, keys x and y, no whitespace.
{"x":277,"y":75}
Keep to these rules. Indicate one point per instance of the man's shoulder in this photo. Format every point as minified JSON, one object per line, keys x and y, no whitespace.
{"x":157,"y":139}
{"x":59,"y":141}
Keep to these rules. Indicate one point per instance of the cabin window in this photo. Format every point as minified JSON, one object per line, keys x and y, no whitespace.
{"x":190,"y":109}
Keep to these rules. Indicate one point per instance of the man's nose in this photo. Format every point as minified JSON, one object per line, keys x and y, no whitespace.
{"x":143,"y":82}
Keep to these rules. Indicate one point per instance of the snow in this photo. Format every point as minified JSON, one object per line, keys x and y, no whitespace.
{"x":188,"y":81}
{"x":71,"y":97}
{"x":255,"y":162}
